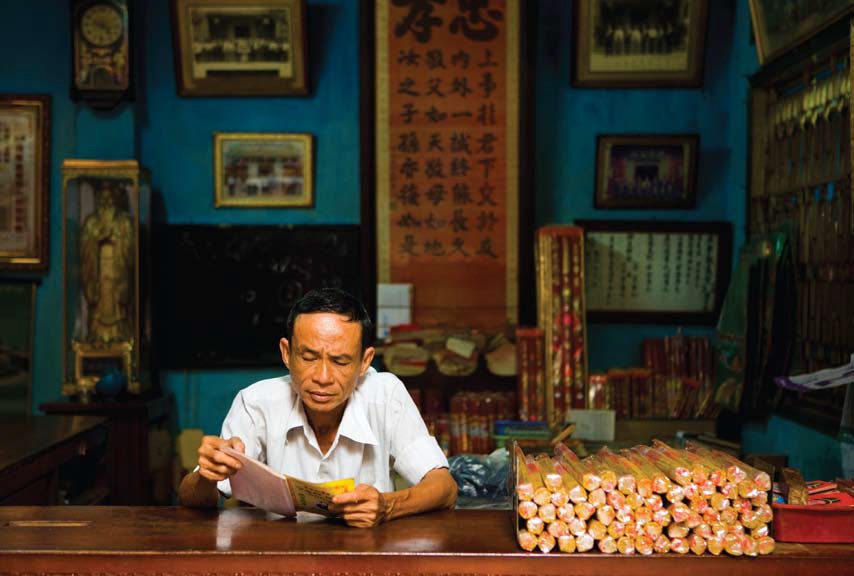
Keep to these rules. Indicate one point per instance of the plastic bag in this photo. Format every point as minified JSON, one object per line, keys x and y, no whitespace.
{"x":481,"y":477}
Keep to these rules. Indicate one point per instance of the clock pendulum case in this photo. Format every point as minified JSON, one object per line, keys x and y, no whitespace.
{"x":101,"y":66}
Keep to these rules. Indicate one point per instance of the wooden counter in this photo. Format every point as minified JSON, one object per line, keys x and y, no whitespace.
{"x":166,"y":541}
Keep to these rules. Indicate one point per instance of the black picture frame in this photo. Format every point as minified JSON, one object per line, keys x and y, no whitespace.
{"x":657,"y":312}
{"x":663,"y":171}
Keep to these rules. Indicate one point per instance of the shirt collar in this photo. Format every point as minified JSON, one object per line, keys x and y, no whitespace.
{"x":354,"y":423}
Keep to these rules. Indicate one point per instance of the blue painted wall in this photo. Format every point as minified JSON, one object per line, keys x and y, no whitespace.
{"x":569,"y":120}
{"x":816,"y":455}
{"x":176,"y":134}
{"x":172,"y":136}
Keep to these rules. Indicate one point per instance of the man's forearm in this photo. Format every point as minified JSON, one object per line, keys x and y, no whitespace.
{"x":437,"y":490}
{"x":198,"y":492}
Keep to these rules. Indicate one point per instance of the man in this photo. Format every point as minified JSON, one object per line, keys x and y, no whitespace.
{"x":333,"y":417}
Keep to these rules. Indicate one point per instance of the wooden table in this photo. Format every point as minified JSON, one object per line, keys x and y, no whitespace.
{"x":244,"y":541}
{"x":33,"y":449}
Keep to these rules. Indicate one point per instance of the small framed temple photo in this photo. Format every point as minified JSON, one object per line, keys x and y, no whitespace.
{"x":24,"y":181}
{"x":254,"y":170}
{"x":639,"y":43}
{"x":240,"y":47}
{"x":649,"y":171}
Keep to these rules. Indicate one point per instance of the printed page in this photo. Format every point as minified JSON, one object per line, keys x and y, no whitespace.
{"x":258,"y":484}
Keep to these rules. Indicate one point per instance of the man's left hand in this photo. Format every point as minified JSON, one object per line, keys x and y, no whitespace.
{"x":364,"y":507}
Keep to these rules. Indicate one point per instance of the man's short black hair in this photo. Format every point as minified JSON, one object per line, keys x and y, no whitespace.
{"x":336,"y":301}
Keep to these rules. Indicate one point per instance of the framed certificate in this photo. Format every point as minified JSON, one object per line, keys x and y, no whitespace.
{"x":651,"y":271}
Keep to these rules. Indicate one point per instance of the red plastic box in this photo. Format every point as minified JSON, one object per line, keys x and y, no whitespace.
{"x":817,"y":523}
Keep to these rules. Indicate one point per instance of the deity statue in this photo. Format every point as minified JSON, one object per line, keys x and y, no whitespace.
{"x":106,"y":258}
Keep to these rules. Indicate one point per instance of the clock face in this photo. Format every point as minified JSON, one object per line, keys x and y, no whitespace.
{"x":102,"y":25}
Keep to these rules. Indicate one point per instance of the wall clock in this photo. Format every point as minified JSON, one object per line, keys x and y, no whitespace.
{"x":101,"y":52}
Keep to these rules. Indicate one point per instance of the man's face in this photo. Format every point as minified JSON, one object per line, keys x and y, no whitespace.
{"x":325,"y":359}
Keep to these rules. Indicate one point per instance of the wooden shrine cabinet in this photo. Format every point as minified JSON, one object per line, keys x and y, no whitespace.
{"x":800,"y":181}
{"x":140,"y":445}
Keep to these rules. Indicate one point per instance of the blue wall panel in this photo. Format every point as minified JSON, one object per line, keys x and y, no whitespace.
{"x":815,"y":454}
{"x":176,"y":133}
{"x":569,"y":120}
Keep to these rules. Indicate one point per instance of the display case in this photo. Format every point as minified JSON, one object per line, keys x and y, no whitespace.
{"x":106,"y":230}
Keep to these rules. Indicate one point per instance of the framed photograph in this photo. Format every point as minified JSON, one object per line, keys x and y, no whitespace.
{"x":639,"y":43}
{"x":17,"y":314}
{"x":779,"y":26}
{"x":254,"y":170}
{"x":24,"y":181}
{"x":240,"y":47}
{"x":646,"y":171}
{"x":656,"y":271}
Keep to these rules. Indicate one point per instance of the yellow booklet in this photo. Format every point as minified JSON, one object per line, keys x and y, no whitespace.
{"x":316,"y":498}
{"x":258,"y":484}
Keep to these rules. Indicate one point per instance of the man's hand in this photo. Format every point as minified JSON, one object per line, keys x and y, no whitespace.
{"x":214,"y":464}
{"x":364,"y":507}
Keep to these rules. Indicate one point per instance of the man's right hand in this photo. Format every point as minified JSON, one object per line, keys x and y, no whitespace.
{"x":214,"y":464}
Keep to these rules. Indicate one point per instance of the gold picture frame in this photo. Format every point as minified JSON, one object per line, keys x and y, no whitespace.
{"x":93,"y":360}
{"x":780,"y":26}
{"x":106,"y":231}
{"x":256,"y":169}
{"x":24,"y":181}
{"x":240,"y":47}
{"x":639,"y":44}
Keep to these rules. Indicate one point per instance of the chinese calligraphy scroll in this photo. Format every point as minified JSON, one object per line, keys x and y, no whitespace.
{"x":447,"y":111}
{"x":640,"y":271}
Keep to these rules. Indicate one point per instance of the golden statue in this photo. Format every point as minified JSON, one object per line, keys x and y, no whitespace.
{"x":106,"y":258}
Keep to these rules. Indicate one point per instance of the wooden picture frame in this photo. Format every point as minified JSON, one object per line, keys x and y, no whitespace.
{"x":256,"y":169}
{"x":240,"y":47}
{"x":780,"y":26}
{"x":646,"y":171}
{"x":652,"y":271}
{"x":639,"y":43}
{"x":24,"y":181}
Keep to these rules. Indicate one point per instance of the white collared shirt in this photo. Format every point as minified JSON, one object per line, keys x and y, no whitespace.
{"x":381,"y":428}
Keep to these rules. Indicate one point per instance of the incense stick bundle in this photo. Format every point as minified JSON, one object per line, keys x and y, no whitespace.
{"x":645,"y":500}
